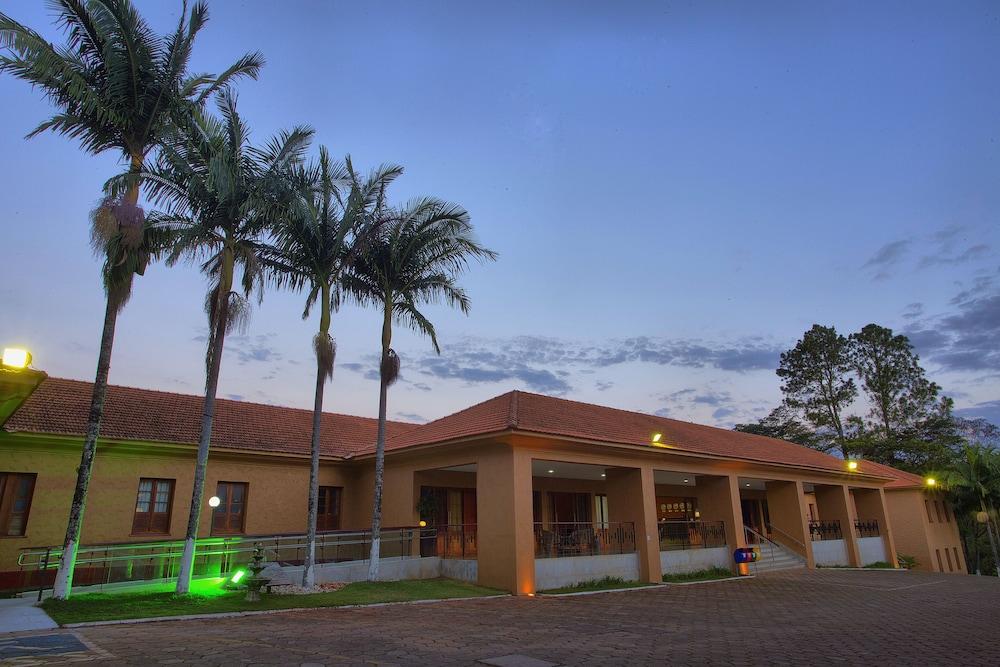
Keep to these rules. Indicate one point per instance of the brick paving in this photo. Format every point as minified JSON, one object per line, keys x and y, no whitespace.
{"x":781,"y":618}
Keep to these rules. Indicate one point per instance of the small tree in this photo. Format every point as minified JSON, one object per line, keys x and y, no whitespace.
{"x":416,"y":259}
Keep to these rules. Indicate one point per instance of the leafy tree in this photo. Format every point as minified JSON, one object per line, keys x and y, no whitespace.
{"x":116,"y":86}
{"x":816,"y":381}
{"x":900,"y":395}
{"x":415,"y":260}
{"x":781,"y":423}
{"x":220,"y":195}
{"x":974,"y":482}
{"x":329,"y":221}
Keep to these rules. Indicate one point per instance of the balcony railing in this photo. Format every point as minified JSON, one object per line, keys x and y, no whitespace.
{"x":867,"y":528}
{"x":558,"y":540}
{"x":676,"y":535}
{"x":825,"y":530}
{"x":102,"y":564}
{"x":458,"y":541}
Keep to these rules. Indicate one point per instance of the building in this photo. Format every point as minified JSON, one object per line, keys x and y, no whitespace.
{"x":520,"y":492}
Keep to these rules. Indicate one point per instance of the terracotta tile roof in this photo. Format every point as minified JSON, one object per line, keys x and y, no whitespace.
{"x":900,"y":478}
{"x":60,"y":406}
{"x":535,"y":413}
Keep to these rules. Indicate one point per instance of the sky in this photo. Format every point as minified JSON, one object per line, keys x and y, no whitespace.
{"x":677,"y":191}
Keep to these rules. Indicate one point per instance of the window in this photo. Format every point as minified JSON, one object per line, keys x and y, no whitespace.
{"x":601,"y":510}
{"x":152,"y":507}
{"x":937,"y":510}
{"x":16,"y":489}
{"x":229,"y":516}
{"x":958,"y":563}
{"x":947,"y":554}
{"x":937,"y":552}
{"x":328,"y":511}
{"x":927,"y":506}
{"x":947,"y":514}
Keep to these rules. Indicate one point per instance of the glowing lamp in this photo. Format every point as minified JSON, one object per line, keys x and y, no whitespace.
{"x":931,"y":481}
{"x":239,"y":574}
{"x":422,"y":524}
{"x":551,"y":471}
{"x":16,"y":357}
{"x":852,"y":465}
{"x":657,"y":436}
{"x":214,"y":501}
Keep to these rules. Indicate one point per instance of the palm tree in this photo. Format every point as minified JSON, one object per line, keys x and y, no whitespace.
{"x":219,"y":196}
{"x":414,"y":260}
{"x":116,"y":86}
{"x":329,"y":221}
{"x":974,"y":480}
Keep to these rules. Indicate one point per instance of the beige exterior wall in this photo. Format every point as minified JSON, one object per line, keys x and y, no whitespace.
{"x":924,"y":527}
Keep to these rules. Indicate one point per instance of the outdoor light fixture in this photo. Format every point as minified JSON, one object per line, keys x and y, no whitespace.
{"x":931,"y":481}
{"x":214,"y":501}
{"x":685,"y":480}
{"x":748,"y":484}
{"x":239,"y":574}
{"x":551,"y":471}
{"x":657,"y":436}
{"x":16,"y":357}
{"x":422,"y":524}
{"x":852,"y":465}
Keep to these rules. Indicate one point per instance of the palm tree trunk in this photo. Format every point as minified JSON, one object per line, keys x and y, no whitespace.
{"x":989,"y":531}
{"x":308,"y":570}
{"x":208,"y":415}
{"x":379,"y":472}
{"x":64,"y":575}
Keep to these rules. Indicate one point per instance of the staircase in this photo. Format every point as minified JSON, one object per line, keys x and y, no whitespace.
{"x":773,"y":556}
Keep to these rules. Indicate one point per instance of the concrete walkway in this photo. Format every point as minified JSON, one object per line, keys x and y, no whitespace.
{"x":21,"y":614}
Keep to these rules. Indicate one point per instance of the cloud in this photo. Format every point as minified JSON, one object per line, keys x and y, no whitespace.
{"x":251,"y":349}
{"x":988,"y":410}
{"x":603,"y":386}
{"x":411,"y":417}
{"x":913,"y":311}
{"x":970,"y":254}
{"x":967,"y":339}
{"x":947,"y":247}
{"x":888,"y":254}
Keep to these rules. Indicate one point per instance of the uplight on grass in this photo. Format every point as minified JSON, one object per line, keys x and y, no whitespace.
{"x":239,"y":574}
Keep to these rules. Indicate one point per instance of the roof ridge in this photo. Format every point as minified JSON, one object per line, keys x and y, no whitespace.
{"x":512,"y":414}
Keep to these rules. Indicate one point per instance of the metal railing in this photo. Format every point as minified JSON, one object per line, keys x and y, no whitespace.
{"x":825,"y":530}
{"x":103,"y":564}
{"x":457,"y":541}
{"x":675,"y":535}
{"x":558,"y":540}
{"x":753,"y":538}
{"x":867,"y":528}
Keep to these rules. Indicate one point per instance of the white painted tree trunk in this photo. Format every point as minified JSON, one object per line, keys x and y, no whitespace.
{"x":373,"y":558}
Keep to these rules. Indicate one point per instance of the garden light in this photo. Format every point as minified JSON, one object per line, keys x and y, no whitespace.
{"x":213,"y":501}
{"x":239,"y":574}
{"x":16,"y":357}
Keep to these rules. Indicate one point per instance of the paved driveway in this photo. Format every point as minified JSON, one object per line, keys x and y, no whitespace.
{"x":793,"y":618}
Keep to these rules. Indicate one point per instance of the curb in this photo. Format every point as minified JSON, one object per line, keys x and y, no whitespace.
{"x":265,"y":612}
{"x":606,"y":590}
{"x":708,"y":581}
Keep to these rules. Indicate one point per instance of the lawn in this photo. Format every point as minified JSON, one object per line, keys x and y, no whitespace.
{"x":210,"y":598}
{"x":605,"y":584}
{"x":700,"y":575}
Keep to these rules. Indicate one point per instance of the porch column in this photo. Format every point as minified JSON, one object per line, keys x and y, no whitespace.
{"x":720,"y":501}
{"x":786,"y":506}
{"x":632,"y":497}
{"x":505,"y":533}
{"x":870,"y":504}
{"x":834,"y":504}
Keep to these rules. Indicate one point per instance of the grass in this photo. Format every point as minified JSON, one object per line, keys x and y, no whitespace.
{"x":212,"y":599}
{"x":605,"y":584}
{"x":699,"y":575}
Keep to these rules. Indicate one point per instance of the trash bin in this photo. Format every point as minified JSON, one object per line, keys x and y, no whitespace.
{"x":743,"y":557}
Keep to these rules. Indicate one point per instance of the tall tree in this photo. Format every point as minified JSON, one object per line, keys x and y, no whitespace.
{"x":974,"y":481}
{"x":782,"y":423}
{"x":329,"y":221}
{"x":815,"y":379}
{"x":117,"y":86}
{"x":415,"y":260}
{"x":897,"y":388}
{"x":220,"y":195}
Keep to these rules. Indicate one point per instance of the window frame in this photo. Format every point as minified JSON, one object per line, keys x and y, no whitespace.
{"x":229,"y":496}
{"x":152,"y":503}
{"x":331,"y":490}
{"x":8,"y":496}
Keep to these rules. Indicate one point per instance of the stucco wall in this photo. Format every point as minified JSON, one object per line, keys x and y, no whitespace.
{"x":693,"y":560}
{"x":872,"y":550}
{"x":559,"y":572}
{"x":830,"y":552}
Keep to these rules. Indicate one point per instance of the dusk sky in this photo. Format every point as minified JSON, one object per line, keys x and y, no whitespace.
{"x":677,"y":192}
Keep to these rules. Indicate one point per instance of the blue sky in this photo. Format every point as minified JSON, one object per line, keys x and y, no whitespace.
{"x":677,"y":192}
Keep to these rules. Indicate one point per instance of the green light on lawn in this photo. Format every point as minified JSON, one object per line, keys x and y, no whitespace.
{"x":237,"y":576}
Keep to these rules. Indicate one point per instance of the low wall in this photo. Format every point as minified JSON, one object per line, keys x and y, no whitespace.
{"x":463,"y":570}
{"x":872,"y":550}
{"x":830,"y":552}
{"x":559,"y":572}
{"x":693,"y":560}
{"x":390,"y":569}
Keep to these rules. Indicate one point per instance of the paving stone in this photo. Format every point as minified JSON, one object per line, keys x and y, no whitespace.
{"x":517,"y":660}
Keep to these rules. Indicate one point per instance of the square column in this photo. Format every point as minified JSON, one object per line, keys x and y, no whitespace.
{"x":786,"y":505}
{"x":870,"y":504}
{"x":504,"y":530}
{"x":720,"y":501}
{"x":834,"y":504}
{"x":632,"y":497}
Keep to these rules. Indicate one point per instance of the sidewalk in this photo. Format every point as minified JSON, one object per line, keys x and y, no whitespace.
{"x":21,"y":614}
